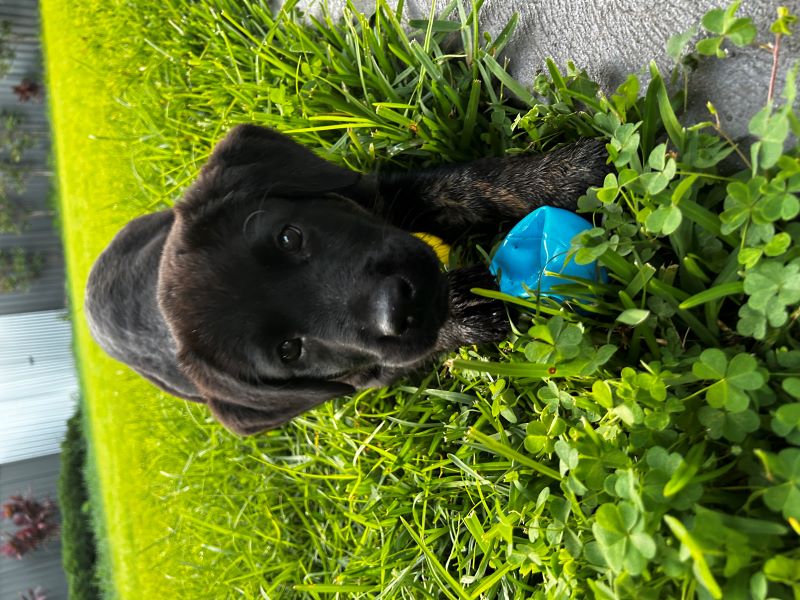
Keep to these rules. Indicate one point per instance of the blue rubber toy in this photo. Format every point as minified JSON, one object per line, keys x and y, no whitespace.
{"x":539,"y":243}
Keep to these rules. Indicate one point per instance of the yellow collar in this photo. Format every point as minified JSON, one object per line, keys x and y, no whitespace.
{"x":442,"y":250}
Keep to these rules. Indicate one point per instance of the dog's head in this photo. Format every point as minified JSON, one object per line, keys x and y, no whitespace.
{"x":281,"y":292}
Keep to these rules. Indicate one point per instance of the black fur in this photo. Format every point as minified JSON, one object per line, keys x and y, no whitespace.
{"x":204,"y":299}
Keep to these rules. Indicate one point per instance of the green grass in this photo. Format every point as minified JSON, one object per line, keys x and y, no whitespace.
{"x":98,"y":193}
{"x":630,"y":473}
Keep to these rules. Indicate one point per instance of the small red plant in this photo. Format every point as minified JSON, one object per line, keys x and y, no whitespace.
{"x":34,"y":594}
{"x":27,"y":89}
{"x":35,"y":520}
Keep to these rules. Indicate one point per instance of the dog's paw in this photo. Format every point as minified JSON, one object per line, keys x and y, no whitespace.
{"x":473,"y":319}
{"x":486,"y":321}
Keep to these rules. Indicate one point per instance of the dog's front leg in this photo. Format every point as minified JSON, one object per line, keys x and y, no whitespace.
{"x":477,"y":197}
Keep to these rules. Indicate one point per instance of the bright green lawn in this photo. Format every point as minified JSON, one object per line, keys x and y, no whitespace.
{"x":98,"y":194}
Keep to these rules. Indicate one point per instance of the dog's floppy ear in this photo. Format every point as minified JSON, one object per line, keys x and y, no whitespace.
{"x":257,"y":160}
{"x":243,"y":420}
{"x":276,"y":406}
{"x":246,"y":408}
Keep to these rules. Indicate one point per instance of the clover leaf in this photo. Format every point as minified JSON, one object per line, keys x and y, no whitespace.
{"x":773,"y":284}
{"x":784,"y":570}
{"x":555,"y":341}
{"x":773,"y":130}
{"x":777,"y":202}
{"x":665,"y":219}
{"x":740,"y":31}
{"x":610,"y":190}
{"x":732,"y":426}
{"x":778,"y":244}
{"x":592,"y":244}
{"x":732,"y":379}
{"x":752,"y":323}
{"x":740,"y":203}
{"x":624,"y":144}
{"x":541,"y":434}
{"x":677,"y":44}
{"x":786,"y":422}
{"x":771,"y":287}
{"x":791,"y":385}
{"x":788,"y":359}
{"x":663,"y":171}
{"x":785,"y":496}
{"x":624,"y":545}
{"x":662,"y":464}
{"x":537,"y":440}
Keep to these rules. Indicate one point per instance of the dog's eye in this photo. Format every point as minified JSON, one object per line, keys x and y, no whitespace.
{"x":290,"y":350}
{"x":290,"y":239}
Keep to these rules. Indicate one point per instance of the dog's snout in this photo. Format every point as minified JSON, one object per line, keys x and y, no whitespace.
{"x":393,"y":308}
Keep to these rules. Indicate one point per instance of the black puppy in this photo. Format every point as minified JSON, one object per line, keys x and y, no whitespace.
{"x":282,"y":280}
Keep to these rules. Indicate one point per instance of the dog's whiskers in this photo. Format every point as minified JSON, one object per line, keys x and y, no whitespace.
{"x":247,"y":220}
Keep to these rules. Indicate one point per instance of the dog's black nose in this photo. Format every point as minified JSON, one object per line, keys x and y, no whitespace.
{"x":392,"y":306}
